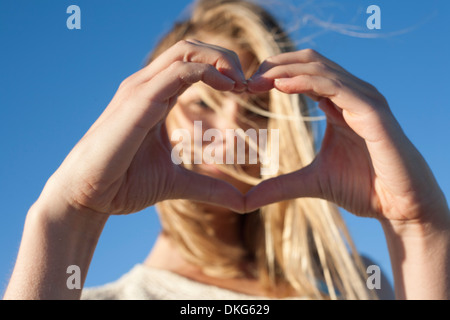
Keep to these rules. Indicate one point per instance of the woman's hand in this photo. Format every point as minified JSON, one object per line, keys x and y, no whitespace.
{"x":123,"y":163}
{"x":366,"y":163}
{"x":368,"y":166}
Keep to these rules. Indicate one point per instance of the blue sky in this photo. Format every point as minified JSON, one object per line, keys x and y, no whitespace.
{"x":55,"y":82}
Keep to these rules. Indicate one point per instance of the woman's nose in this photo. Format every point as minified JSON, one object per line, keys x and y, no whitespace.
{"x":230,"y":109}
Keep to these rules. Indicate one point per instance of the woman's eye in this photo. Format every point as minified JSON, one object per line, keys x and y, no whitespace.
{"x":202,"y":104}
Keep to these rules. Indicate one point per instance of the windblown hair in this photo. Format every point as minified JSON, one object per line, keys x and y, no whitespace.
{"x":301,"y":245}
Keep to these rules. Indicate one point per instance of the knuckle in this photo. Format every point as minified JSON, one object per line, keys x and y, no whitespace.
{"x":126,"y":83}
{"x":185,"y":47}
{"x":227,"y":56}
{"x":182,"y":43}
{"x":310,"y":54}
{"x":206,"y":68}
{"x":177,"y":66}
{"x":266,"y":64}
{"x":338,"y":85}
{"x":127,"y":89}
{"x":320,"y":67}
{"x":379,"y":97}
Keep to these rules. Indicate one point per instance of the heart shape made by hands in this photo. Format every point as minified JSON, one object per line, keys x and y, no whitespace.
{"x":361,"y":163}
{"x":364,"y":165}
{"x":338,"y":146}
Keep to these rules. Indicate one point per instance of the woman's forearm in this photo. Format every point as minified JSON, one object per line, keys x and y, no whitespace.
{"x":420,"y":258}
{"x":55,"y":237}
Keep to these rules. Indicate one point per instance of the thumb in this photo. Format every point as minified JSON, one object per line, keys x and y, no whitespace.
{"x":298,"y":184}
{"x":201,"y":188}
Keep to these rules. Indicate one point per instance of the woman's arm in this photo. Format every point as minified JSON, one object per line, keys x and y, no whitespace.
{"x":420,"y":258}
{"x":121,"y":165}
{"x":367,"y":166}
{"x":55,"y":237}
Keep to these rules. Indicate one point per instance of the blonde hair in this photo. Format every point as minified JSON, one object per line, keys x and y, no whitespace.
{"x":301,"y":244}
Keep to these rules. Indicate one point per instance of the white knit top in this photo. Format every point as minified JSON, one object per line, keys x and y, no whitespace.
{"x":146,"y":283}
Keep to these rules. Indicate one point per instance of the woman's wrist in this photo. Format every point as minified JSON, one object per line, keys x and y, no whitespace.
{"x":429,"y":221}
{"x":60,"y":213}
{"x":56,"y":238}
{"x":420,"y":256}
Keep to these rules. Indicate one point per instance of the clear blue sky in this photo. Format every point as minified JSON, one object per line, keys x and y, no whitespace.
{"x":55,"y":82}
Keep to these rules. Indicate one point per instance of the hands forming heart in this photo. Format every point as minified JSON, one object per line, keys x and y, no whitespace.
{"x":366,"y":163}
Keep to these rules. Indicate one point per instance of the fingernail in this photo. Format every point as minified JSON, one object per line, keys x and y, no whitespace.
{"x":230,"y":80}
{"x":281,"y":81}
{"x":254,"y":77}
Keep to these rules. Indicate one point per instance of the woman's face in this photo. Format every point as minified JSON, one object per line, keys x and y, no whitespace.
{"x":191,"y":108}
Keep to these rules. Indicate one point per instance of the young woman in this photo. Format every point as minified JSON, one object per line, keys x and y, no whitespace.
{"x":231,"y":66}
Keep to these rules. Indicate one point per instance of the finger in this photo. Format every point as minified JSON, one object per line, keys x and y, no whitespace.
{"x":301,"y":56}
{"x":225,"y":61}
{"x":201,"y":188}
{"x":310,"y":62}
{"x":181,"y":74}
{"x":346,"y":98}
{"x":116,"y":139}
{"x":153,"y":99}
{"x":264,"y":81}
{"x":301,"y":183}
{"x":237,"y":71}
{"x":318,"y":85}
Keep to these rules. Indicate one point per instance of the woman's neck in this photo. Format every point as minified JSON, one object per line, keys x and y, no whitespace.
{"x":224,"y":226}
{"x":166,"y":256}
